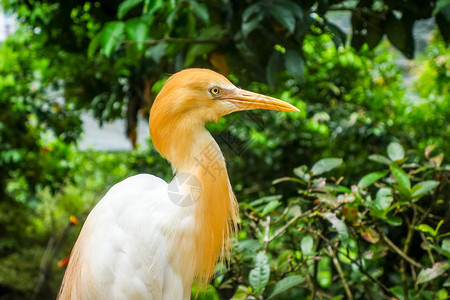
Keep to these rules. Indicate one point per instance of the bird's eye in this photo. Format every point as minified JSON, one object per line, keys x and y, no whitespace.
{"x":215,"y":90}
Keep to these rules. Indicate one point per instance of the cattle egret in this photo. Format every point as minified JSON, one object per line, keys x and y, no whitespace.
{"x":148,"y":239}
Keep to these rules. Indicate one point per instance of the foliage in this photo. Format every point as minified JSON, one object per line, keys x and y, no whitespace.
{"x":377,"y":227}
{"x":34,"y":129}
{"x":33,"y":267}
{"x":116,"y":50}
{"x":385,"y":236}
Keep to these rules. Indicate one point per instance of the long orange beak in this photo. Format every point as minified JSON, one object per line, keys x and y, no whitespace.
{"x":245,"y":100}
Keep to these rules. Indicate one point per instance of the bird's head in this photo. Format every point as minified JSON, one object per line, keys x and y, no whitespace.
{"x":193,"y":97}
{"x":204,"y":95}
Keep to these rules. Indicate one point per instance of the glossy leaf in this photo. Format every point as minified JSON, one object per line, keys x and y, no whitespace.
{"x":446,"y":247}
{"x":433,"y":272}
{"x":393,"y":220}
{"x":126,"y":6}
{"x":294,"y":8}
{"x":440,"y":5}
{"x":270,"y":207}
{"x":424,"y":188}
{"x":395,"y":151}
{"x":201,"y":11}
{"x":340,"y":226}
{"x":137,"y":30}
{"x":401,"y":176}
{"x":112,"y":36}
{"x":307,"y":245}
{"x":427,"y":229}
{"x":94,"y":44}
{"x":285,"y":284}
{"x":259,"y":276}
{"x":383,"y":199}
{"x":283,"y":15}
{"x":380,"y":159}
{"x":371,"y":178}
{"x":325,"y":165}
{"x":197,"y":50}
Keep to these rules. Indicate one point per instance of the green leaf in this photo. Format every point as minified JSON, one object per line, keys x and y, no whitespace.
{"x":440,"y":4}
{"x":427,"y":229}
{"x":201,"y":11}
{"x":157,"y":52}
{"x":339,"y":37}
{"x":307,"y":245}
{"x":251,"y":10}
{"x":294,"y":8}
{"x":295,"y":65}
{"x":400,"y":175}
{"x":396,"y":31}
{"x":302,"y":172}
{"x":284,"y":16}
{"x":374,"y":34}
{"x":325,"y":165}
{"x":442,"y":294}
{"x":433,"y":272}
{"x":197,"y":50}
{"x":395,"y":151}
{"x":398,"y":291}
{"x":270,"y":207}
{"x":94,"y":44}
{"x":380,"y":159}
{"x":324,"y":272}
{"x":446,"y":245}
{"x":340,"y":227}
{"x":259,"y":276}
{"x":111,"y":36}
{"x":423,"y":188}
{"x":285,"y":284}
{"x":126,"y":6}
{"x":137,"y":30}
{"x":383,"y":199}
{"x":249,"y":24}
{"x":393,"y":220}
{"x":248,"y":245}
{"x":371,"y":178}
{"x":266,"y":199}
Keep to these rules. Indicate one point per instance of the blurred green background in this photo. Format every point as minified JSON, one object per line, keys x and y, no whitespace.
{"x":367,"y":154}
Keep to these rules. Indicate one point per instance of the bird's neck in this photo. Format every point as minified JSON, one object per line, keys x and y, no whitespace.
{"x":193,"y":151}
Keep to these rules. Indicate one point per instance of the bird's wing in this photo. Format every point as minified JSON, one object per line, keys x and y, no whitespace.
{"x":121,"y":252}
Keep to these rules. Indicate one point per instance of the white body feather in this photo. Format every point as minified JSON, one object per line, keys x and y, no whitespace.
{"x":126,"y":234}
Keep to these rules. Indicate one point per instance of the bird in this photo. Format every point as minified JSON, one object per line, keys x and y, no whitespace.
{"x":151,"y":239}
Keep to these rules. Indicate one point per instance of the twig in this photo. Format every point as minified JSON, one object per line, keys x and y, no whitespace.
{"x":360,"y":267}
{"x":178,"y":40}
{"x":400,"y":252}
{"x":340,"y":272}
{"x":44,"y":267}
{"x":430,"y":255}
{"x":283,"y":229}
{"x":266,"y":225}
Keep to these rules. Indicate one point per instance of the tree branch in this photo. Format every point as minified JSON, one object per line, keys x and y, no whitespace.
{"x":400,"y":252}
{"x":340,"y":272}
{"x":179,"y":40}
